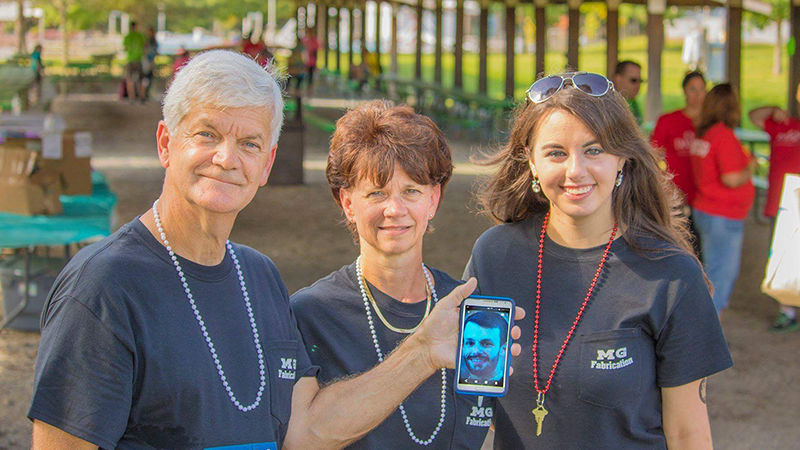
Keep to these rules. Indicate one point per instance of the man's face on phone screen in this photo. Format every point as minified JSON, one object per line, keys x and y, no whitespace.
{"x":482,"y":347}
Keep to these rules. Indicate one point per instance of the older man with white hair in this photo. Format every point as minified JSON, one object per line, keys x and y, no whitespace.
{"x":167,"y":335}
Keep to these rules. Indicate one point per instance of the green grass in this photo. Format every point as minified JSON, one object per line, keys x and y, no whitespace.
{"x":759,"y":85}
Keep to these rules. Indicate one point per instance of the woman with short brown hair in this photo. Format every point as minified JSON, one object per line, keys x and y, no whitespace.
{"x":387,"y":169}
{"x":589,"y":242}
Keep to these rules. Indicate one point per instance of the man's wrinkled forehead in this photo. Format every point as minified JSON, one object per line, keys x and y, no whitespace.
{"x":240,"y":121}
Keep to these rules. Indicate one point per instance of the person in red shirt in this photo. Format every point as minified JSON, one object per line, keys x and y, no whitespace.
{"x":784,"y":140}
{"x":250,"y":48}
{"x":674,"y":134}
{"x":312,"y":45}
{"x":722,"y":170}
{"x":180,"y":60}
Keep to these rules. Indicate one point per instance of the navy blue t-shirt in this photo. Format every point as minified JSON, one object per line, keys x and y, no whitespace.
{"x":649,"y":324}
{"x":333,"y":321}
{"x":123,"y":363}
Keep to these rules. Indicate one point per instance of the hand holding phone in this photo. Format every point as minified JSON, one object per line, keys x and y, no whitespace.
{"x":438,"y":337}
{"x":484,"y":345}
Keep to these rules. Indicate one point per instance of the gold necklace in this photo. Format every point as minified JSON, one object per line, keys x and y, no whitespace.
{"x":383,"y":319}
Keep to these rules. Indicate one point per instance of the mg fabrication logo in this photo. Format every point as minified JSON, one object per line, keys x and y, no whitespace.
{"x":287,"y":370}
{"x":611,"y":359}
{"x":480,"y":416}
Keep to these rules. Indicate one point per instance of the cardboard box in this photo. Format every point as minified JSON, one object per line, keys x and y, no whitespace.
{"x":77,"y":171}
{"x":23,"y":189}
{"x":66,"y":154}
{"x":69,"y":154}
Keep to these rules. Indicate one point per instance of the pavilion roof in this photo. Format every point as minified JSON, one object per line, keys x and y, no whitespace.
{"x":755,"y":6}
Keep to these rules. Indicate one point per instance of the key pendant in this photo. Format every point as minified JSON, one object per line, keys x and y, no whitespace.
{"x":539,"y":413}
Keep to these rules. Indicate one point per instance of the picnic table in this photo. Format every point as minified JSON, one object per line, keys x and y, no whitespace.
{"x":455,"y":108}
{"x":84,"y":218}
{"x":102,"y":62}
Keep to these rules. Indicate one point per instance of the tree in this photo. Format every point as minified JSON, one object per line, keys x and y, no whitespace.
{"x":64,"y":4}
{"x":182,"y":15}
{"x":19,"y":28}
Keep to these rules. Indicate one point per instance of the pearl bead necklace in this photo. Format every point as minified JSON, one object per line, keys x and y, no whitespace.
{"x":211,"y":348}
{"x":362,"y":287}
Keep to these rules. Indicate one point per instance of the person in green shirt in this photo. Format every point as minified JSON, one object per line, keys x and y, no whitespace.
{"x":628,"y":80}
{"x":134,"y":43}
{"x":37,"y":66}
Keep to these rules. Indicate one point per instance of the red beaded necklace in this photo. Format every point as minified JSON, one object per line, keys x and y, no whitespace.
{"x":539,"y":412}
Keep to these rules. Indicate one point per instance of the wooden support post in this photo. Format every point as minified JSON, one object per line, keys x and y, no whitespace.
{"x":458,"y":74}
{"x":297,"y":17}
{"x":573,"y":33}
{"x":612,"y":35}
{"x":794,"y":61}
{"x":311,"y":19}
{"x":395,"y":64}
{"x":326,"y":35}
{"x":655,"y":45}
{"x":511,"y":28}
{"x":541,"y":35}
{"x":319,"y":10}
{"x":378,"y":29}
{"x":338,"y":40}
{"x":363,"y":36}
{"x":437,"y":63}
{"x":733,"y":52}
{"x":418,"y":59}
{"x":484,"y":46}
{"x":350,"y":34}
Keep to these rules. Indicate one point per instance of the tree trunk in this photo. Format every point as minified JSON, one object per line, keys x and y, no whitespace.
{"x":64,"y":31}
{"x":19,"y":29}
{"x":777,"y":61}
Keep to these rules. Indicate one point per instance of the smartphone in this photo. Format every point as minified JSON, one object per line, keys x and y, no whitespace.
{"x":484,"y":345}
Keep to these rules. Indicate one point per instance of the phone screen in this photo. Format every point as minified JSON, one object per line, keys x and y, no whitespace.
{"x":484,"y":346}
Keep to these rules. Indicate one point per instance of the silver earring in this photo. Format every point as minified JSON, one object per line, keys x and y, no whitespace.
{"x":535,"y":185}
{"x":619,"y":179}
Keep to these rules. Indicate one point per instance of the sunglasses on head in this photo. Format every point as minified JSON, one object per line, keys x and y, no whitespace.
{"x":590,"y":83}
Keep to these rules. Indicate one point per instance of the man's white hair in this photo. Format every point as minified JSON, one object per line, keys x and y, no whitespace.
{"x":224,"y":79}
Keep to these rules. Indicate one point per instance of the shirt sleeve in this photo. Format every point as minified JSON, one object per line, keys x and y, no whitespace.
{"x":769,"y":126}
{"x":83,"y":379}
{"x":730,"y":155}
{"x":305,"y":368}
{"x":691,"y":345}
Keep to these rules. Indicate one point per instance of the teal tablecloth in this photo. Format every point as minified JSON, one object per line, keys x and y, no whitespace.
{"x":84,"y":217}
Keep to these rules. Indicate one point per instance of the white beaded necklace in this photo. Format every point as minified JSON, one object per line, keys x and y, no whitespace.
{"x":211,"y":348}
{"x":362,"y":287}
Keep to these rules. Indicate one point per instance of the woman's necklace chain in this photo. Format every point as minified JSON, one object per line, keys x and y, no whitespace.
{"x":199,"y":318}
{"x":362,"y":285}
{"x":386,"y":322}
{"x":540,"y":412}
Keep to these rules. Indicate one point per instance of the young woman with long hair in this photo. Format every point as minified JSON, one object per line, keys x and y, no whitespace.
{"x":622,"y":331}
